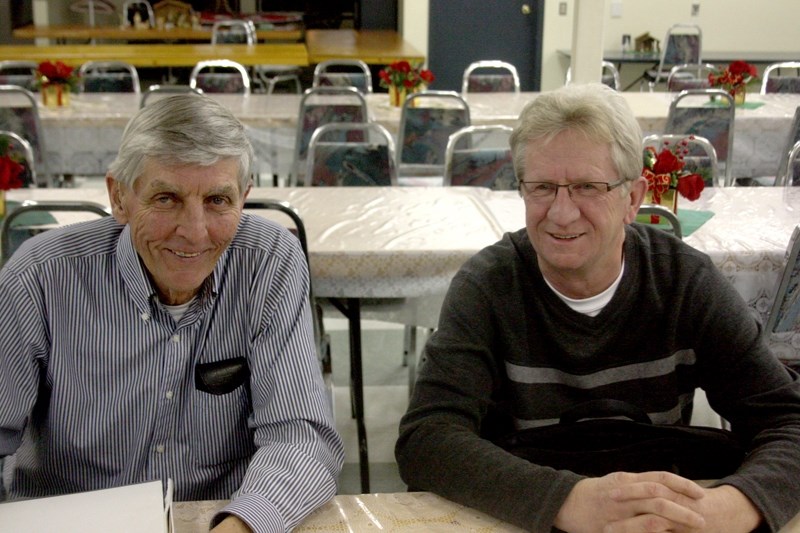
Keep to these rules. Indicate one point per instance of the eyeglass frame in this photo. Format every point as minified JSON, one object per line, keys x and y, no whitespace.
{"x":569,"y":186}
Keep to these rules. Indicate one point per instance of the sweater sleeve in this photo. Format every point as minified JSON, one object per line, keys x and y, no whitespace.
{"x":751,"y":389}
{"x":459,"y":392}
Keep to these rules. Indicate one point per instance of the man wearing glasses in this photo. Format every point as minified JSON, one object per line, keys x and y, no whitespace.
{"x":583,"y":305}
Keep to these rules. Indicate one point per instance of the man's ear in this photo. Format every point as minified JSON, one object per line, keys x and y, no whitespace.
{"x":636,"y":193}
{"x":116,"y":195}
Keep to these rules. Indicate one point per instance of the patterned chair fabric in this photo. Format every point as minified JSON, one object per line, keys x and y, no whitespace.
{"x":427,"y":131}
{"x":490,"y":76}
{"x":233,"y":32}
{"x":490,"y":83}
{"x":343,"y":73}
{"x":715,"y":123}
{"x":21,"y":147}
{"x":109,"y":77}
{"x":220,"y":76}
{"x":684,"y":77}
{"x":362,"y":165}
{"x":325,"y":105}
{"x":484,"y":167}
{"x":776,"y":80}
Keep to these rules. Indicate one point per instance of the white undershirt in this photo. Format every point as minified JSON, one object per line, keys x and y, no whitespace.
{"x":594,"y":304}
{"x":177,"y":311}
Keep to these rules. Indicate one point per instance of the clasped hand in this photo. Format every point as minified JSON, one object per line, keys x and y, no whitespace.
{"x":653,"y":502}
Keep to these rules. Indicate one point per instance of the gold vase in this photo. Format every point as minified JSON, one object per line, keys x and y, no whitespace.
{"x":739,"y":95}
{"x":397,"y":95}
{"x":668,"y":199}
{"x":2,"y":203}
{"x":55,"y":95}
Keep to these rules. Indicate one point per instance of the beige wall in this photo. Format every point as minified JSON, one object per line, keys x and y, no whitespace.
{"x":765,"y":25}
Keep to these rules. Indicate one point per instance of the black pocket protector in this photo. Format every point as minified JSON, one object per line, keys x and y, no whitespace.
{"x":221,"y":377}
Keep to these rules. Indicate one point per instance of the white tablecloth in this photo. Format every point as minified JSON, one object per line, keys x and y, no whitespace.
{"x":84,"y":138}
{"x":408,"y":242}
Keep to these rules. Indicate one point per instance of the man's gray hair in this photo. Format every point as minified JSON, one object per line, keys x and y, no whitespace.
{"x":182,"y":130}
{"x":596,"y":110}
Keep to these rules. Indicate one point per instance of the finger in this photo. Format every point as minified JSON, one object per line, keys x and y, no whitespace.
{"x":650,"y":482}
{"x":640,"y":524}
{"x":675,"y":513}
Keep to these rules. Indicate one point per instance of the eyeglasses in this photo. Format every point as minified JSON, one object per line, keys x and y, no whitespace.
{"x":546,"y":191}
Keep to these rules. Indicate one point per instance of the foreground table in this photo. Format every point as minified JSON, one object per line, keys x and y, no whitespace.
{"x":160,"y":55}
{"x":410,"y":512}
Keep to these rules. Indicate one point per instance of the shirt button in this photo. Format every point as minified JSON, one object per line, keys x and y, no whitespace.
{"x":145,"y":316}
{"x":169,"y":395}
{"x":160,"y":448}
{"x":176,"y":338}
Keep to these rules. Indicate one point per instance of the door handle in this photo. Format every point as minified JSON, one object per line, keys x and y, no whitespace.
{"x":526,"y":9}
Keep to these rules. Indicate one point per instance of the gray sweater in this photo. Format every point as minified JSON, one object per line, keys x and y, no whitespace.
{"x":509,"y":354}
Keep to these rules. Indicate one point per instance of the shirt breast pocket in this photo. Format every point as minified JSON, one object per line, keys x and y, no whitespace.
{"x":220,"y":411}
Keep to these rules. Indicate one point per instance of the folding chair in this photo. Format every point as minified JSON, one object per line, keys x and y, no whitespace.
{"x":490,"y":76}
{"x":609,"y":75}
{"x":19,"y":145}
{"x":480,"y":156}
{"x":19,"y":225}
{"x":333,"y":160}
{"x":784,"y":314}
{"x":427,"y":120}
{"x":20,"y":73}
{"x":220,"y":76}
{"x":662,"y":212}
{"x":686,"y":76}
{"x":682,"y":45}
{"x":343,"y":73}
{"x":320,"y":106}
{"x":776,"y":80}
{"x":701,"y":159}
{"x":109,"y":77}
{"x":691,"y":114}
{"x":785,"y":169}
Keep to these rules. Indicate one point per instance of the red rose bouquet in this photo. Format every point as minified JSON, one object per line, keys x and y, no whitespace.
{"x":11,"y":170}
{"x":402,"y":75}
{"x":734,"y":78}
{"x":664,"y":170}
{"x":57,"y":73}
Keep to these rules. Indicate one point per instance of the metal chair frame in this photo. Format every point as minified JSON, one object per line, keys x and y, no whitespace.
{"x":501,"y":66}
{"x":247,"y":27}
{"x":349,"y":96}
{"x":50,"y":206}
{"x":784,"y":169}
{"x":30,"y":66}
{"x":220,"y":63}
{"x":774,"y":70}
{"x":468,"y":134}
{"x":657,"y":141}
{"x":354,"y":65}
{"x":371,"y":130}
{"x":606,"y":66}
{"x":689,"y":71}
{"x":661,"y":72}
{"x":660,"y":210}
{"x":788,"y":289}
{"x":93,"y":68}
{"x":729,"y":109}
{"x":414,"y":102}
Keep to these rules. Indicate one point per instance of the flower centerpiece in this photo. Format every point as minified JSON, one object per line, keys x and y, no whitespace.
{"x":11,"y":171}
{"x":665,"y":176}
{"x":56,"y":81}
{"x":401,"y":78}
{"x":734,"y":78}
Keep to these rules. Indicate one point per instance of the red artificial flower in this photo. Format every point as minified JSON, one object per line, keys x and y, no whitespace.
{"x":401,"y":66}
{"x":742,"y":68}
{"x":10,"y":173}
{"x":385,"y":76}
{"x":427,"y":76}
{"x":55,"y":72}
{"x":667,"y":162}
{"x":690,"y":186}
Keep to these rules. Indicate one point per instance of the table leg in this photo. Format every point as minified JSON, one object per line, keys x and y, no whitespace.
{"x":351,"y":309}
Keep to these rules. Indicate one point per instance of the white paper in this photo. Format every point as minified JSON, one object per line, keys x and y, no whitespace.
{"x":140,"y":508}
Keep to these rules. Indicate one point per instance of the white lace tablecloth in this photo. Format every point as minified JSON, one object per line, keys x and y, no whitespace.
{"x":408,"y":242}
{"x":84,"y":138}
{"x":409,"y":512}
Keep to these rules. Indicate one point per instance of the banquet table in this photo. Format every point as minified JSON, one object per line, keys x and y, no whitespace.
{"x":161,"y":55}
{"x":82,"y":32}
{"x":408,"y":512}
{"x":84,"y":137}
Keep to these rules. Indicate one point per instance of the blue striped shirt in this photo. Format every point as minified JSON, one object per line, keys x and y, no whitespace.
{"x":98,"y":383}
